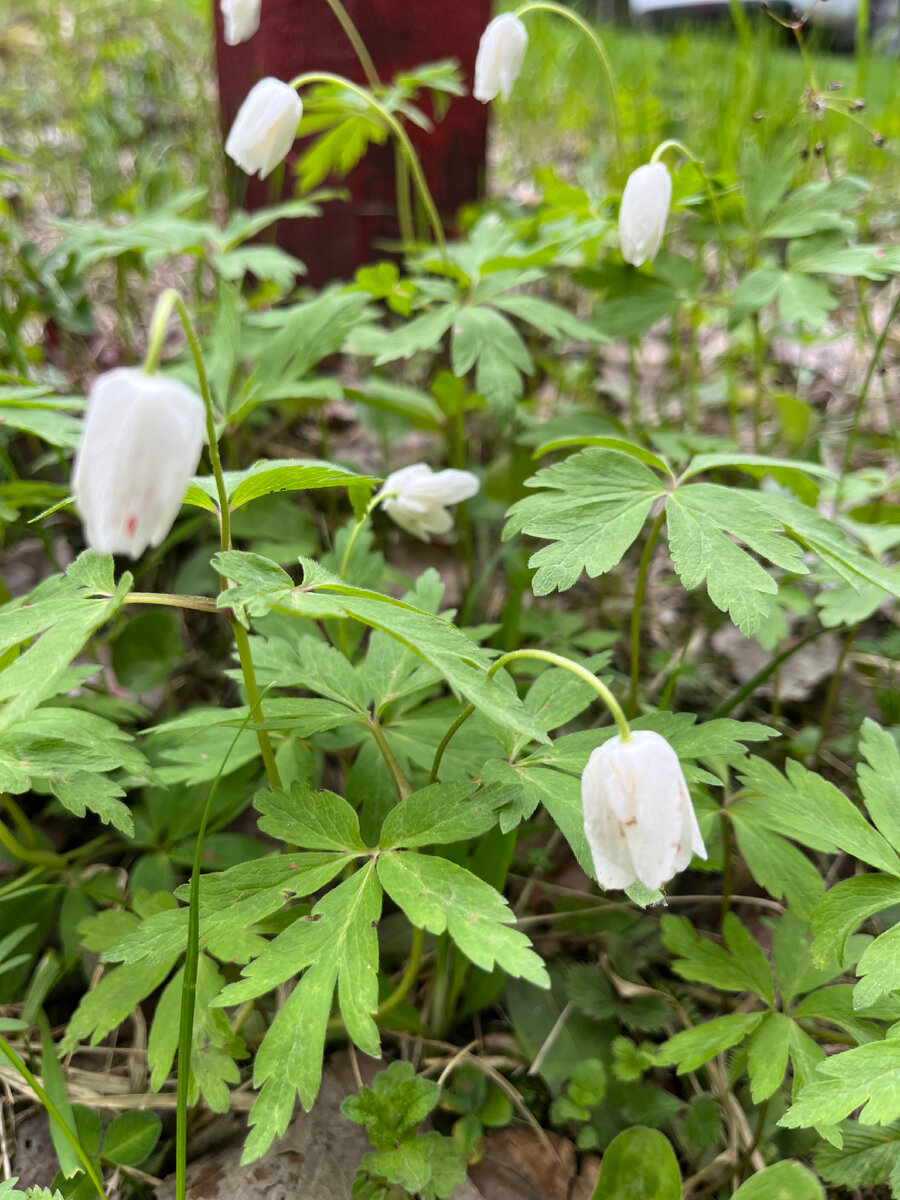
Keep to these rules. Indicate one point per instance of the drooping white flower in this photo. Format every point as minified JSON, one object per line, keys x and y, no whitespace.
{"x":499,"y":60}
{"x":638,"y":816}
{"x":265,"y":127}
{"x":416,"y":497}
{"x":644,"y":212}
{"x":141,"y":443}
{"x":241,"y":20}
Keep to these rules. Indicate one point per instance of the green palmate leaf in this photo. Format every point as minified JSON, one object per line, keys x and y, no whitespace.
{"x":112,"y":1000}
{"x":65,"y":619}
{"x":311,"y":820}
{"x":639,"y":1162}
{"x":783,"y":1181}
{"x":744,"y":969}
{"x":312,"y":663}
{"x":866,"y":1076}
{"x":844,"y":907}
{"x":342,"y":949}
{"x":693,"y":1047}
{"x":213,"y":1046}
{"x":767,"y":1056}
{"x":442,"y":813}
{"x":811,"y":810}
{"x":230,"y":902}
{"x":484,"y":339}
{"x":879,"y":779}
{"x":775,"y":864}
{"x":264,"y":587}
{"x":702,"y":520}
{"x":549,"y":318}
{"x":878,"y":969}
{"x":266,"y":477}
{"x":867,"y":1158}
{"x":131,"y":1138}
{"x":641,"y":453}
{"x":593,"y":507}
{"x":439,"y":895}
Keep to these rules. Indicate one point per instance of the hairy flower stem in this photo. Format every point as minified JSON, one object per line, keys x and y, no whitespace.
{"x":399,"y":133}
{"x":636,"y":611}
{"x":593,"y":37}
{"x":168,"y":301}
{"x":556,"y":660}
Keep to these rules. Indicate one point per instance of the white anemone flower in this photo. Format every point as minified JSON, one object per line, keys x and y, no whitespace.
{"x":139,"y":448}
{"x":265,"y":127}
{"x":499,"y":60}
{"x":417,"y":497}
{"x":241,"y":19}
{"x":638,"y":815}
{"x":644,"y":212}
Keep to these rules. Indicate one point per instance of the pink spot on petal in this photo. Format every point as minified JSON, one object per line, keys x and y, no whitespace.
{"x":131,"y":524}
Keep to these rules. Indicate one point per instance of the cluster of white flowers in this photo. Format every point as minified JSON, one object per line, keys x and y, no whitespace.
{"x":143,"y":436}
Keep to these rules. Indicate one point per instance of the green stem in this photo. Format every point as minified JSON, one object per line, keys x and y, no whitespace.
{"x":401,"y":135}
{"x":242,"y":641}
{"x":727,"y":867}
{"x":562,"y":11}
{"x":409,"y":975}
{"x":171,"y":600}
{"x":351,"y":540}
{"x":189,"y":981}
{"x":674,"y":144}
{"x":748,"y":688}
{"x":637,"y":604}
{"x":34,"y":858}
{"x":863,"y":396}
{"x":401,"y":783}
{"x":834,"y":687}
{"x":168,"y":301}
{"x":54,"y":1114}
{"x":355,"y":39}
{"x":404,"y":210}
{"x":556,"y":660}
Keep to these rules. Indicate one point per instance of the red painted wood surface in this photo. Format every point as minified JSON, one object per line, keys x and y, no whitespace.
{"x":304,"y":35}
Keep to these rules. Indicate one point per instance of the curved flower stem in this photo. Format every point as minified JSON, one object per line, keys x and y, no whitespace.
{"x":355,"y":39}
{"x":556,"y":660}
{"x":562,"y":11}
{"x":54,"y":1114}
{"x":24,"y":854}
{"x":673,"y":144}
{"x":640,"y":587}
{"x":399,"y":133}
{"x":169,"y":300}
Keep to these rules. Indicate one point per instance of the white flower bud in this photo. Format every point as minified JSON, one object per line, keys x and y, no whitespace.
{"x":638,"y":816}
{"x":140,"y":445}
{"x":241,"y":20}
{"x":416,"y":498}
{"x":644,"y":212}
{"x":265,"y":127}
{"x":499,"y":61}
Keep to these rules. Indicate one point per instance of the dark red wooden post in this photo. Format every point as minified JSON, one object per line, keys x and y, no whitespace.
{"x":304,"y":35}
